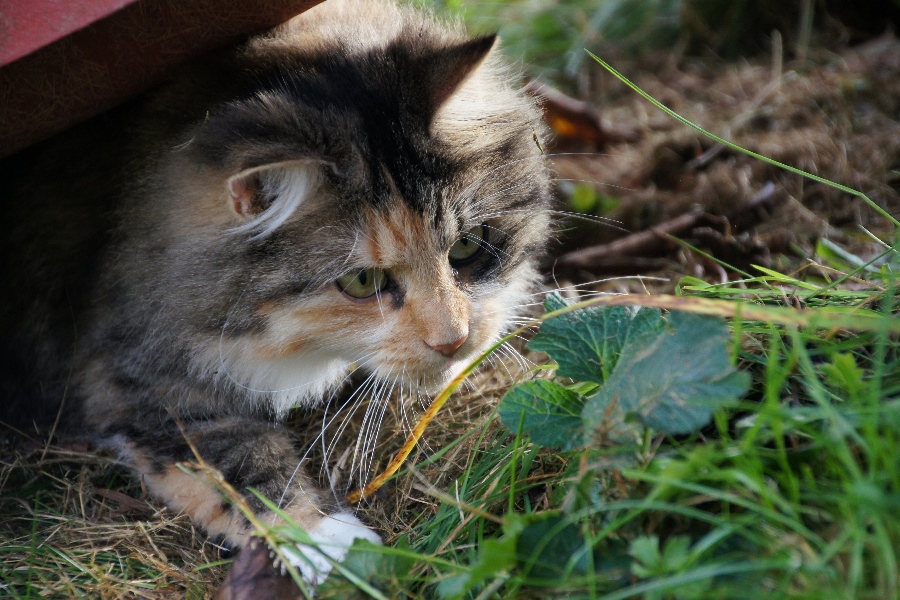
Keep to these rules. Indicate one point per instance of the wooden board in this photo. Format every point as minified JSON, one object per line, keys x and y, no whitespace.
{"x":64,"y":62}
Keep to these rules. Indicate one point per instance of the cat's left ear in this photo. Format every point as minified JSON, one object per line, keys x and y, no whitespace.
{"x":266,"y":196}
{"x":443,"y":72}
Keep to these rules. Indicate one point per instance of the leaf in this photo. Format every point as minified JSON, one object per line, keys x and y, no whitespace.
{"x":672,"y":379}
{"x":583,"y":198}
{"x":586,"y":344}
{"x":552,"y":413}
{"x":552,"y":547}
{"x":496,"y":555}
{"x":645,"y":550}
{"x":673,"y":561}
{"x":677,"y":554}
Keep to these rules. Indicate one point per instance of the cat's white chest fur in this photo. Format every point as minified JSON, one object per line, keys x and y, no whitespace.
{"x":299,"y":379}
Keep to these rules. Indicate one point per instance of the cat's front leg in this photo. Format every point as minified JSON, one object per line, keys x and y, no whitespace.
{"x":249,"y":454}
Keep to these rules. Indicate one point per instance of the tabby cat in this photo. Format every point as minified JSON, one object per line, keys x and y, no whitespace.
{"x":359,"y":188}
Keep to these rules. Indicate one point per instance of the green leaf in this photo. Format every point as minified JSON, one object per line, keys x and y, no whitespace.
{"x":645,"y":550}
{"x":368,"y":563}
{"x":673,"y":561}
{"x":586,"y":344}
{"x":677,"y":554}
{"x":552,"y":413}
{"x":551,"y":547}
{"x":496,"y":555}
{"x":670,"y":379}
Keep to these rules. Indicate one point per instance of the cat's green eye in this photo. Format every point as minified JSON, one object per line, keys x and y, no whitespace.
{"x":363,"y":284}
{"x":468,"y":245}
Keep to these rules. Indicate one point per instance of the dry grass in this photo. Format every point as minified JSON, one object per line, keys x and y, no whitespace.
{"x":74,"y":524}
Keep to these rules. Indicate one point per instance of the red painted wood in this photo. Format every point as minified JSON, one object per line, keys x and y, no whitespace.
{"x":27,"y":25}
{"x":98,"y":66}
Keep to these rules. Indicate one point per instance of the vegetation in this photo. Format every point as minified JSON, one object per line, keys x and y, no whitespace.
{"x":610,"y":480}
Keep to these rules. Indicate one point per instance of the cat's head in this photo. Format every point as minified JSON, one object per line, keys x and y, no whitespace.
{"x":387,"y":205}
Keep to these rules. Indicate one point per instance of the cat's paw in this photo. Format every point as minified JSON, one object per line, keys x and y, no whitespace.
{"x":333,"y":536}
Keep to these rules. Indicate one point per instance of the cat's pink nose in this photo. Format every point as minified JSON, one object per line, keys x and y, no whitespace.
{"x":450,"y":349}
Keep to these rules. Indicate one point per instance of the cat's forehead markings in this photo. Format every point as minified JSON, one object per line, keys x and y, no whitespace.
{"x":397,"y":236}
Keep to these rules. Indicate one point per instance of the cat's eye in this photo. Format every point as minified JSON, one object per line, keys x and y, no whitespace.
{"x":363,"y":284}
{"x":468,"y":245}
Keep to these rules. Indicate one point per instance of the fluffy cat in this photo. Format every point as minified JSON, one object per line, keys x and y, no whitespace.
{"x":359,"y":188}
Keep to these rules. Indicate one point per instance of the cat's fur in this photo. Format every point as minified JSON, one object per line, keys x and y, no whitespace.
{"x":171,"y":267}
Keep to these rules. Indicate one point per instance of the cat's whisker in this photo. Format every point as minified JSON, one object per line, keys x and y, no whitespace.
{"x":594,"y":219}
{"x":422,"y":399}
{"x":354,"y":401}
{"x":493,"y":247}
{"x":372,"y":443}
{"x":321,"y":436}
{"x":472,"y":187}
{"x":465,"y":194}
{"x":594,"y":182}
{"x":493,"y":195}
{"x":524,"y":363}
{"x":380,"y":306}
{"x":502,"y":363}
{"x":597,"y":219}
{"x":575,"y":287}
{"x":371,"y":421}
{"x":359,"y":364}
{"x":495,"y":252}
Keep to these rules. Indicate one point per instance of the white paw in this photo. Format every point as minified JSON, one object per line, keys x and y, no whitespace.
{"x":333,"y":536}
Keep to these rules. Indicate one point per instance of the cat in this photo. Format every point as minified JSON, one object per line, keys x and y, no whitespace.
{"x":360,"y":188}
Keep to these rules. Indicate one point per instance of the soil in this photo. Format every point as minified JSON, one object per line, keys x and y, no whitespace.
{"x":835,"y":115}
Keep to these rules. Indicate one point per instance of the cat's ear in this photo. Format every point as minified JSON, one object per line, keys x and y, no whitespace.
{"x":445,"y":71}
{"x":266,"y":196}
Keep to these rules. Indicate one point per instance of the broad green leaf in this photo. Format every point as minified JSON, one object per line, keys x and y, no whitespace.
{"x":671,"y":380}
{"x":674,"y":560}
{"x":552,"y":413}
{"x":551,"y":548}
{"x":587,"y":343}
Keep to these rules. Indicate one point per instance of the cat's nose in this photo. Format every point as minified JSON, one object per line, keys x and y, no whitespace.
{"x":450,"y":348}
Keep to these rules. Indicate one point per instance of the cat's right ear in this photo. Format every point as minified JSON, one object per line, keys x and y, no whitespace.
{"x":441,"y":73}
{"x":266,"y":196}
